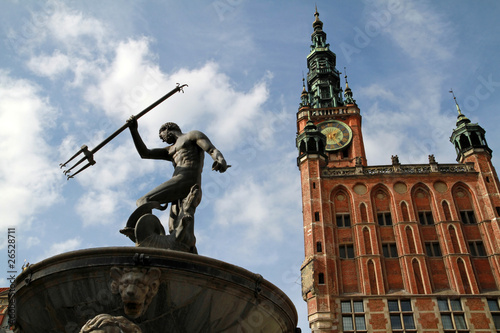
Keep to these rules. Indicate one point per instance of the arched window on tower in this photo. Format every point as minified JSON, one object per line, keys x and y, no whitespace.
{"x":364,"y":214}
{"x":463,"y":276}
{"x":418,"y":276}
{"x":373,"y":278}
{"x":454,"y":239}
{"x":463,"y":201}
{"x":404,"y":210}
{"x":382,"y":203}
{"x":342,"y":208}
{"x":446,"y":210}
{"x":367,"y":239}
{"x":422,"y":200}
{"x":411,"y":239}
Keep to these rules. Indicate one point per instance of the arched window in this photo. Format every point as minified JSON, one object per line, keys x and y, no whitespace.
{"x":364,"y":214}
{"x":464,"y":204}
{"x":418,"y":276}
{"x":368,"y":243}
{"x":446,"y":210}
{"x":404,"y":210}
{"x":463,"y":276}
{"x":342,"y":208}
{"x":382,"y":204}
{"x":411,"y":239}
{"x":454,"y":239}
{"x":421,"y":198}
{"x":372,"y":277}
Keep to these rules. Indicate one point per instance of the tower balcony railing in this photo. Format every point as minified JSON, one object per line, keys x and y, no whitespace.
{"x":321,"y":112}
{"x":399,"y":169}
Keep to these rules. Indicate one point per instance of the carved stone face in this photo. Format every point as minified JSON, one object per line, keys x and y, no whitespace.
{"x":137,"y":287}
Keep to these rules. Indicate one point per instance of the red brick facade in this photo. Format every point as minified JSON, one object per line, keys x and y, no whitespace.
{"x":444,"y":235}
{"x":401,"y":248}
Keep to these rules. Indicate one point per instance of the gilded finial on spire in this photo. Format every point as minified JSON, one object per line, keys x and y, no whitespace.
{"x":456,"y":103}
{"x":317,"y":24}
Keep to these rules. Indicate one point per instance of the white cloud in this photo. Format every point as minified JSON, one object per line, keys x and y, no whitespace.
{"x":29,"y":176}
{"x":50,"y":66}
{"x":68,"y":245}
{"x":72,"y":28}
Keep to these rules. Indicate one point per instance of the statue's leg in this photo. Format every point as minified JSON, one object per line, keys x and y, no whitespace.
{"x":172,"y":190}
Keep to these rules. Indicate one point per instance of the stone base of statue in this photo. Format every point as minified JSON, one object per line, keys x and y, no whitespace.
{"x":147,"y":290}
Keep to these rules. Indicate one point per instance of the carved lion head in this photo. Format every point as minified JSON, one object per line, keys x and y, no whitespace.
{"x":136,"y":286}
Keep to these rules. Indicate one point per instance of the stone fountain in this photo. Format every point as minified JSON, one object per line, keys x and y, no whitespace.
{"x":160,"y":285}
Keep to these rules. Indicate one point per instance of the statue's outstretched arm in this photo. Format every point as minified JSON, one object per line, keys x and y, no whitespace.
{"x":205,"y":144}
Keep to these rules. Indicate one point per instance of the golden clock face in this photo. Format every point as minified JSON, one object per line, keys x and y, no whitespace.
{"x":338,"y":134}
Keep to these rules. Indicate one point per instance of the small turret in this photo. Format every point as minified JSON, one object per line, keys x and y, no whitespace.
{"x":348,"y":92}
{"x":468,"y":138}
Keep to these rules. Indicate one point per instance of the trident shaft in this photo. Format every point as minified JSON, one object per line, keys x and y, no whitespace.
{"x":89,"y":154}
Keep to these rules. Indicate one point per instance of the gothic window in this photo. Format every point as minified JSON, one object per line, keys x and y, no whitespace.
{"x":346,"y":251}
{"x":404,"y":210}
{"x":401,"y":314}
{"x":353,"y":316}
{"x":366,"y":237}
{"x":477,"y":249}
{"x":364,"y":215}
{"x":464,"y":204}
{"x":372,"y":277}
{"x":390,"y":250}
{"x":316,"y":216}
{"x":418,"y":276}
{"x":422,"y":201}
{"x":382,"y":206}
{"x":411,"y":240}
{"x":433,"y":249}
{"x":463,"y":276}
{"x":319,"y":248}
{"x":452,"y":315}
{"x":342,"y":209}
{"x":495,"y":312}
{"x":447,"y":212}
{"x":454,"y":239}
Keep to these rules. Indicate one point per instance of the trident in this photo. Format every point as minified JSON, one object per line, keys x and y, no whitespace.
{"x":89,"y":154}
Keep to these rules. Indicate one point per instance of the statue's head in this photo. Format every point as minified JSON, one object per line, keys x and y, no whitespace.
{"x":167,"y":132}
{"x":104,"y":323}
{"x":137,"y":288}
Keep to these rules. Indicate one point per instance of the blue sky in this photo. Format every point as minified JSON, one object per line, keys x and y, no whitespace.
{"x":71,"y":72}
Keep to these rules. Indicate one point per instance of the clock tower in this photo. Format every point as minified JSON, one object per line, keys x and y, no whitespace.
{"x":335,"y":115}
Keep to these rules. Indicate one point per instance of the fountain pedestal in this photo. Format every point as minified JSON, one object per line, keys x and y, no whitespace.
{"x":155,"y":290}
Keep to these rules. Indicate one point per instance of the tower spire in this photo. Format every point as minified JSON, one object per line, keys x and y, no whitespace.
{"x":348,"y":92}
{"x":456,"y":103}
{"x":461,"y":119}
